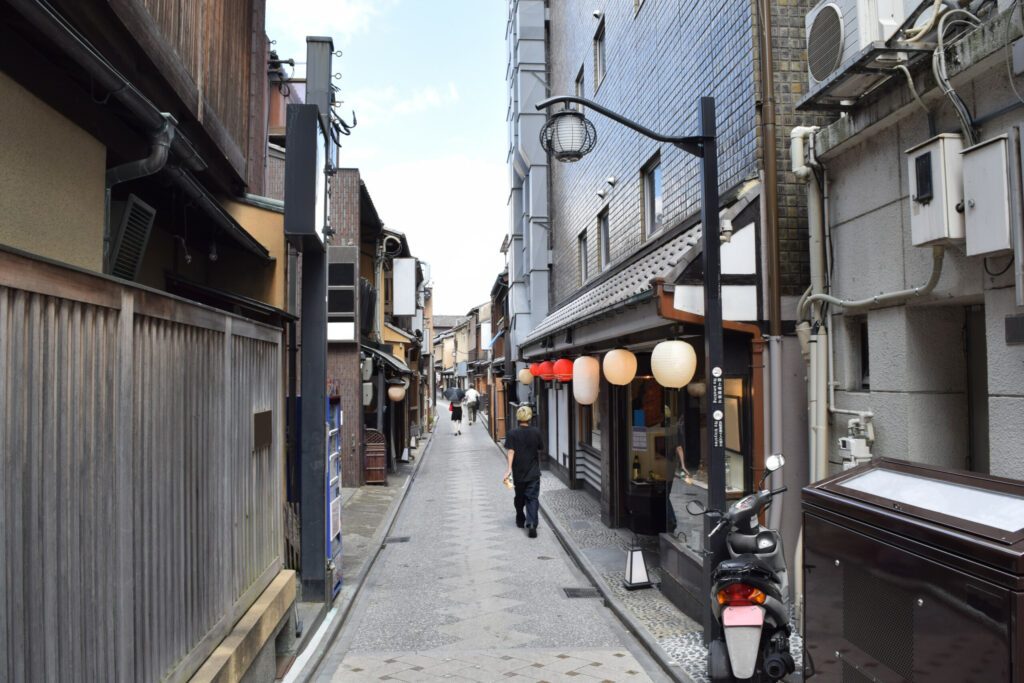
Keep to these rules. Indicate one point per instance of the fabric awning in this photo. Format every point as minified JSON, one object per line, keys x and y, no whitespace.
{"x":397,"y":365}
{"x":496,"y":338}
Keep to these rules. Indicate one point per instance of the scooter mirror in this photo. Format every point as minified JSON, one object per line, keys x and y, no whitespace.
{"x":774,"y":462}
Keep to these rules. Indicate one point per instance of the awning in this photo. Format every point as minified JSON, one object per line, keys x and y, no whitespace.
{"x":396,"y":365}
{"x":496,"y":338}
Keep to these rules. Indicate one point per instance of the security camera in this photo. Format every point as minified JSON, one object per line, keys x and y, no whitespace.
{"x":598,"y":13}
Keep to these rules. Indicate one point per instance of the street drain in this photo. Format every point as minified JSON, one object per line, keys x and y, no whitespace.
{"x":396,"y":539}
{"x":581,"y":593}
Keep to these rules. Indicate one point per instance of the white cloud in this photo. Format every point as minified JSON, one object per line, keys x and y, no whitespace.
{"x":389,"y":102}
{"x":290,"y":21}
{"x":453,"y":212}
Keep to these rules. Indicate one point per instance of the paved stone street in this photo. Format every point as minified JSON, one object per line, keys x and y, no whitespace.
{"x":469,"y":597}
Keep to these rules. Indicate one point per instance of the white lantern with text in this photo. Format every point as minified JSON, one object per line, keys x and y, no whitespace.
{"x":673,"y":363}
{"x":619,"y":366}
{"x":586,"y":380}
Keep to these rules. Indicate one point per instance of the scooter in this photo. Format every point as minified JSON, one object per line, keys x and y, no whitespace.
{"x":750,"y":594}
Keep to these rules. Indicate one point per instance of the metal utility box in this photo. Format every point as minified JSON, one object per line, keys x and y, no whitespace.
{"x":935,"y":171}
{"x":913,"y":573}
{"x":989,"y":202}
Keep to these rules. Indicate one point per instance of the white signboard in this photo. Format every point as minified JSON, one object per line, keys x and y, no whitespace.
{"x":404,"y":283}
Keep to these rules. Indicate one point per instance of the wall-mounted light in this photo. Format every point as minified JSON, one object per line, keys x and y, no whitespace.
{"x":611,"y":180}
{"x":598,"y":14}
{"x":602,"y":194}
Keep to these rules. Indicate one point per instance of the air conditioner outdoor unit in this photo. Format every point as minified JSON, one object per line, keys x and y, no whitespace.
{"x":838,"y":31}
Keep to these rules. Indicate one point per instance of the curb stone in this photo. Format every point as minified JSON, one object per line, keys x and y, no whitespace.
{"x":674,"y":671}
{"x":313,"y":665}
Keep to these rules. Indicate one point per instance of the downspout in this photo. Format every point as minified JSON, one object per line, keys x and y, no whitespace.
{"x":770,"y":163}
{"x":160,"y":147}
{"x":815,"y":331}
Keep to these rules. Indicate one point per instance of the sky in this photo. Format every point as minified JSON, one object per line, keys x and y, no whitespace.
{"x":426,"y":79}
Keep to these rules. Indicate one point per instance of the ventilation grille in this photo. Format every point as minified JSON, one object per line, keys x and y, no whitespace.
{"x":825,"y":42}
{"x":878,"y":617}
{"x":134,"y":219}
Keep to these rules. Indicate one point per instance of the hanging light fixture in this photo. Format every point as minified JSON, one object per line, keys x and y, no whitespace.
{"x":396,"y":392}
{"x":546,"y":370}
{"x":563,"y":370}
{"x":568,"y":135}
{"x":525,"y":376}
{"x":673,"y":363}
{"x":619,"y":366}
{"x":535,"y":369}
{"x":586,"y":380}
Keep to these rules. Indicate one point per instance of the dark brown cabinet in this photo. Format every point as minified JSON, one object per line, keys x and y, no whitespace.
{"x":913,"y":573}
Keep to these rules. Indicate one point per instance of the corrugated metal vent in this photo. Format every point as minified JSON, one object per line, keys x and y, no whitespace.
{"x":134,"y":220}
{"x":825,"y":42}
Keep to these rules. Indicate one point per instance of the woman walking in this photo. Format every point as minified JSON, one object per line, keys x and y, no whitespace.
{"x":456,"y":409}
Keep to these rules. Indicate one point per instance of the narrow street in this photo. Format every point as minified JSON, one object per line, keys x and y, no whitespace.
{"x":469,"y":597}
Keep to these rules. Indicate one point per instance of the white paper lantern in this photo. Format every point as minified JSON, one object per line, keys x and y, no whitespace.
{"x":619,"y":366}
{"x":586,"y":380}
{"x":396,"y":392}
{"x":673,"y":363}
{"x":525,"y":376}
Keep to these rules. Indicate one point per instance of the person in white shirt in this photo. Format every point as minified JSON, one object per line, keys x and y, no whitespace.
{"x":472,"y":403}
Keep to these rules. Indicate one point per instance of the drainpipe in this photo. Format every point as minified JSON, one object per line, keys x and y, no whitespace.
{"x":159,"y":150}
{"x":771,"y":199}
{"x":816,"y":333}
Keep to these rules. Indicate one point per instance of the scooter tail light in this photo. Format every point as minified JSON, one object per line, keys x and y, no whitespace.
{"x":740,"y":594}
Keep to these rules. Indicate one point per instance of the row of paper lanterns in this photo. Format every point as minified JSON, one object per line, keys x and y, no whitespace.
{"x":673,"y":364}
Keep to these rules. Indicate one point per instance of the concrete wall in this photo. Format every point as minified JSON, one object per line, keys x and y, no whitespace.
{"x":51,"y":182}
{"x":267,"y":227}
{"x":918,"y":387}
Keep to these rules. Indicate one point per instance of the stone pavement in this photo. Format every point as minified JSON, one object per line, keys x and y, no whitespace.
{"x":459,"y":593}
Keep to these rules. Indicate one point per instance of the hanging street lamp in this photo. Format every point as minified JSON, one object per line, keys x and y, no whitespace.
{"x":569,"y":136}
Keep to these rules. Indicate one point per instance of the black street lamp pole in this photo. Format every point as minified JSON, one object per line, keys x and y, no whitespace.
{"x":571,"y":143}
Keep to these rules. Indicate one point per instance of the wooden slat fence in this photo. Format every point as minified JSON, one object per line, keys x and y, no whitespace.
{"x":137,"y":520}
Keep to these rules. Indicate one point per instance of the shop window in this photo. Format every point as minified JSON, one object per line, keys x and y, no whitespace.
{"x":652,"y":192}
{"x":588,"y":426}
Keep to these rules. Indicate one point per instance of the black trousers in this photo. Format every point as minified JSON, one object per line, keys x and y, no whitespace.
{"x":528,"y":497}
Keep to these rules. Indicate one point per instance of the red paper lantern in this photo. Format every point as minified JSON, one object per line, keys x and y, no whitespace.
{"x":563,"y":370}
{"x":535,"y":369}
{"x":547,"y":370}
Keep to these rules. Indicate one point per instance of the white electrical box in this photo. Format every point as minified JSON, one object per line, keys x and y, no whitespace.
{"x":988,"y":205}
{"x":367,"y":393}
{"x":936,"y":189}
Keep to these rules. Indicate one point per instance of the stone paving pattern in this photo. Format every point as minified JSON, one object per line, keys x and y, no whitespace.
{"x":470,"y":597}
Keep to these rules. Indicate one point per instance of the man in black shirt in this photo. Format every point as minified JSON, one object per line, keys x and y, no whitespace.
{"x":524,"y":444}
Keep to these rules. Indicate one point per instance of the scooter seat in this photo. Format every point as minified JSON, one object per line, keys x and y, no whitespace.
{"x":745,"y":564}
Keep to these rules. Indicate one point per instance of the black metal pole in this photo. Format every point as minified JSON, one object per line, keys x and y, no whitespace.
{"x":715,"y":444}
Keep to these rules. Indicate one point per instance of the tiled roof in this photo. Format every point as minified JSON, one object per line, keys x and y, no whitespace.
{"x":447,"y":322}
{"x":622,"y":286}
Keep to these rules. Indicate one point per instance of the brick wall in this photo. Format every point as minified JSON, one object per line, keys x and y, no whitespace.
{"x":343,"y":358}
{"x":660,"y":60}
{"x":790,"y":57}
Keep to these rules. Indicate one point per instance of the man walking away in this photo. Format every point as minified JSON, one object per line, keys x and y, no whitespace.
{"x":524,"y":444}
{"x":472,"y":403}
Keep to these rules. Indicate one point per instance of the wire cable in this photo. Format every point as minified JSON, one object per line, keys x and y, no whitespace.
{"x":1001,"y":272}
{"x":1007,"y":49}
